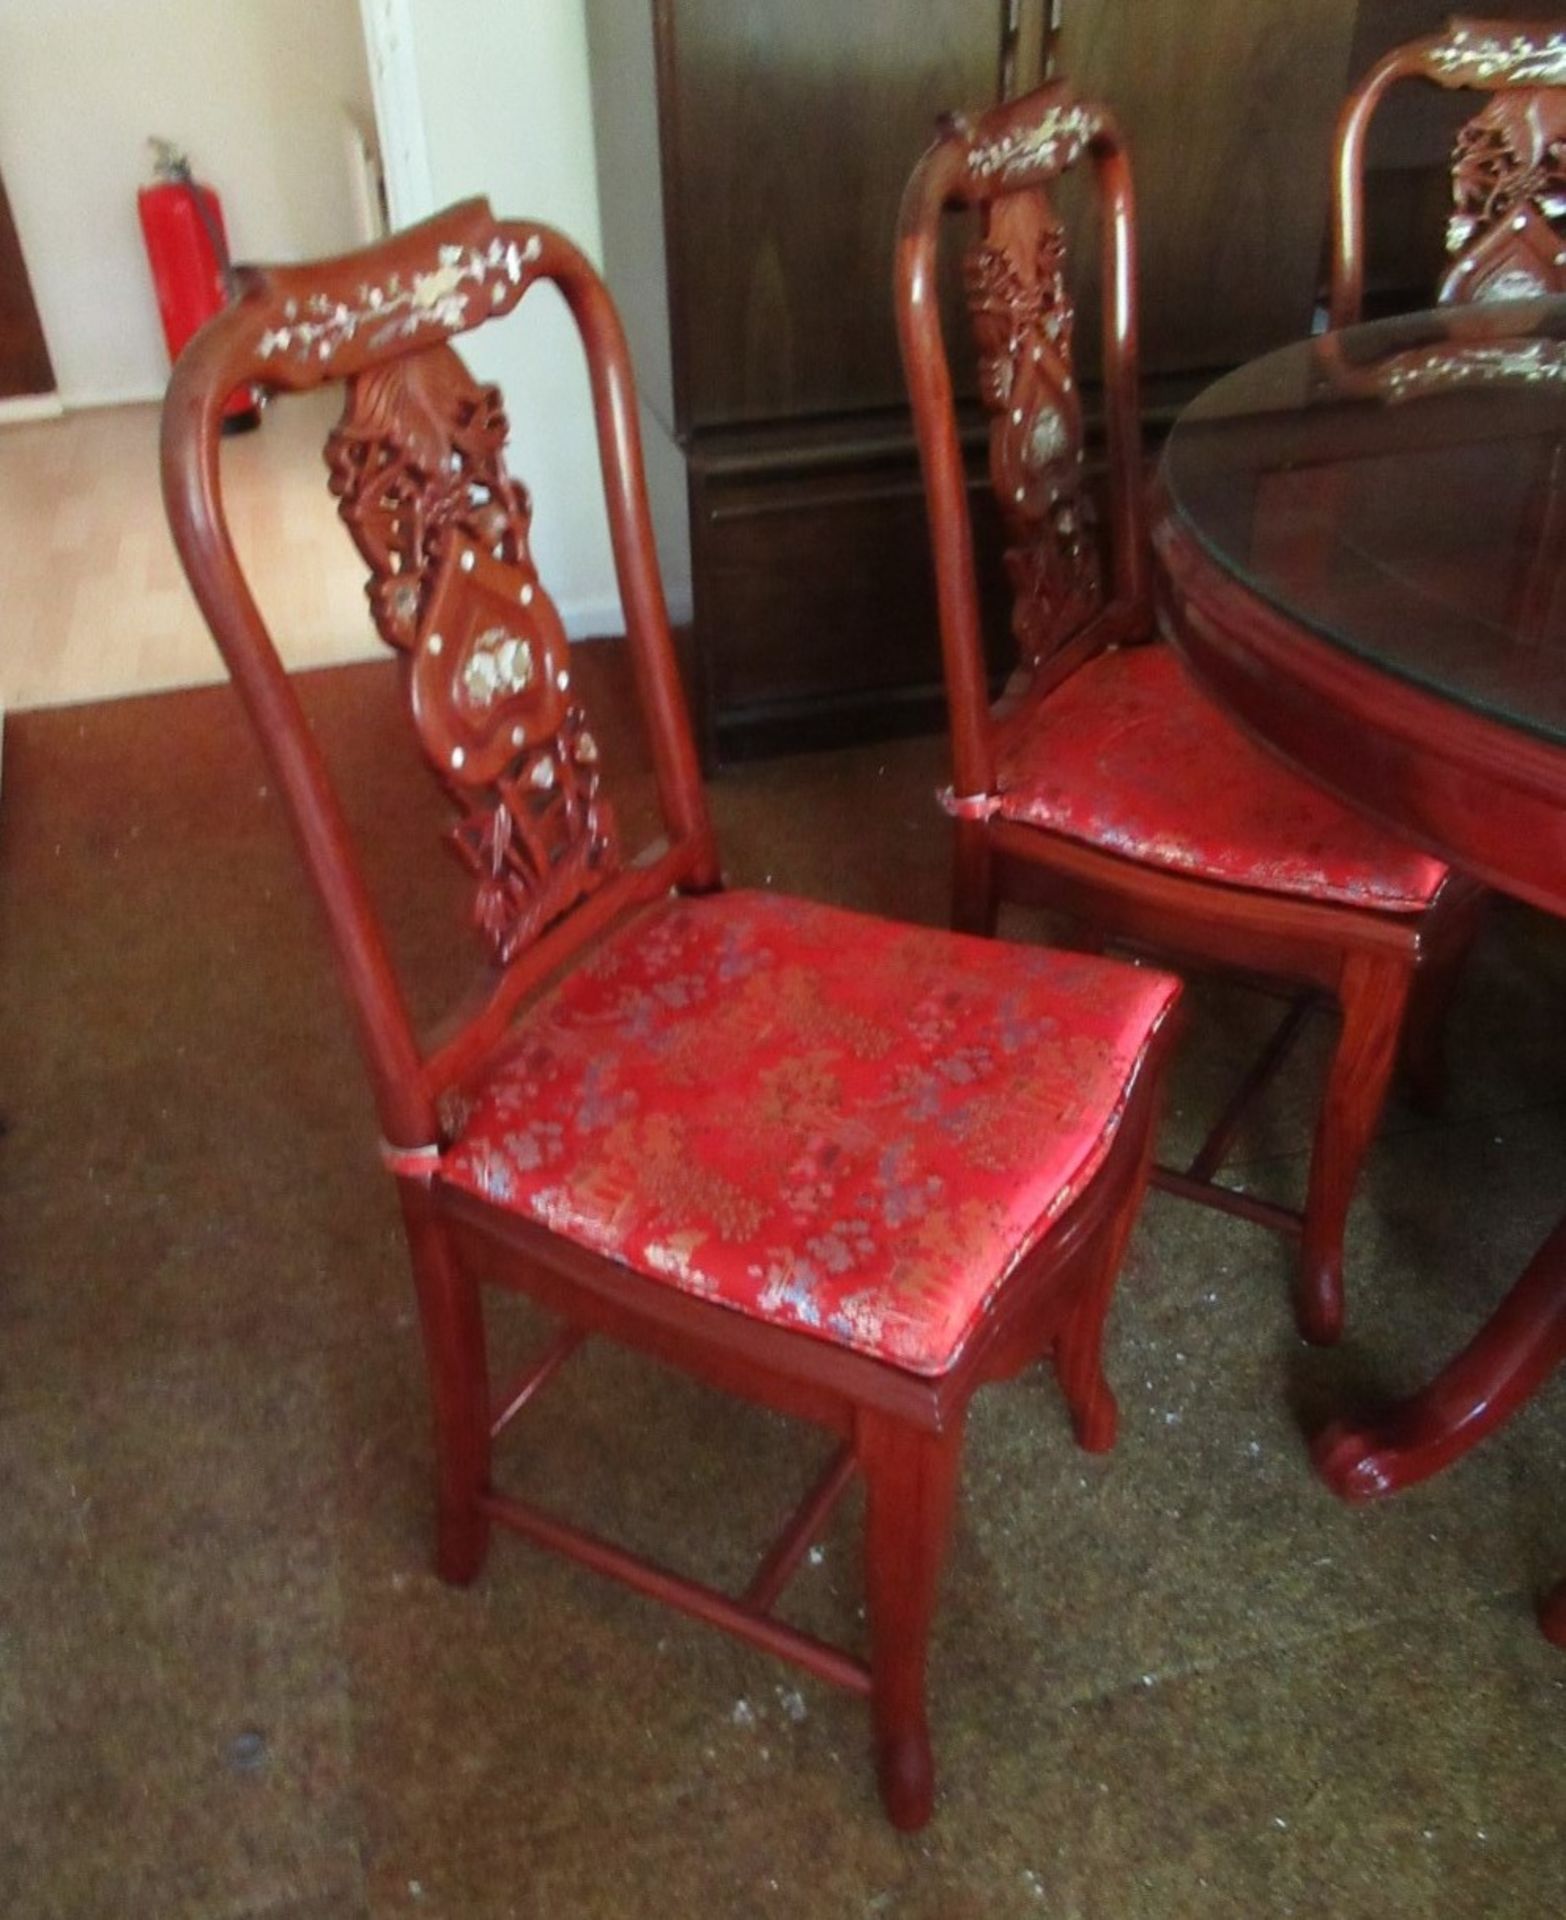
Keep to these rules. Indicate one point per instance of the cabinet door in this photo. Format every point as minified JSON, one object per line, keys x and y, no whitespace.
{"x":1228,"y":106}
{"x":790,"y":127}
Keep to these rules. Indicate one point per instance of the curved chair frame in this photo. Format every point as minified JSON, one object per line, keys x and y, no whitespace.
{"x":1504,"y":243}
{"x":297,"y":328}
{"x":1389,"y":974}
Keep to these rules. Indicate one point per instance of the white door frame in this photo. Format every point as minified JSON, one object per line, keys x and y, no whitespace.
{"x":399,"y":108}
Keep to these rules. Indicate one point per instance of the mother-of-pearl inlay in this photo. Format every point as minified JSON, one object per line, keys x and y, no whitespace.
{"x":438,"y":297}
{"x":500,"y":664}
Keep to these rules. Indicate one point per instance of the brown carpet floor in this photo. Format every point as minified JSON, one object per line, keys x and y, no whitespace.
{"x":1179,"y":1680}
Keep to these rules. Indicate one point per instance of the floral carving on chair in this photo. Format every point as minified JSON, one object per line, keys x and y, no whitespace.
{"x":1050,"y":144}
{"x":418,"y":467}
{"x":1423,"y":370}
{"x":316,"y":328}
{"x":1022,"y":320}
{"x":1506,"y":237}
{"x":1490,"y":54}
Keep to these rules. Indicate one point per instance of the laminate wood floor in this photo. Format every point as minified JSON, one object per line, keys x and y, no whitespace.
{"x":92,"y":600}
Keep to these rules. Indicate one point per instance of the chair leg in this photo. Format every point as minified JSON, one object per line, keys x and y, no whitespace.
{"x":1079,"y":1346}
{"x":1424,"y":1026}
{"x":1372,"y":996}
{"x":910,"y":1486}
{"x":1552,"y":1615}
{"x":452,"y":1316}
{"x":975,"y":908}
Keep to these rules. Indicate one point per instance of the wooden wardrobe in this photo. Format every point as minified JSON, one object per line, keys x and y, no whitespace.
{"x":751,"y":155}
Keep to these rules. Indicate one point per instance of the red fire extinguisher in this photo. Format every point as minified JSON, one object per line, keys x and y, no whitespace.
{"x":187,"y":249}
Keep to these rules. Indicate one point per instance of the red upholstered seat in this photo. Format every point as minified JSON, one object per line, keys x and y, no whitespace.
{"x":834,"y":1123}
{"x":1129,"y":755}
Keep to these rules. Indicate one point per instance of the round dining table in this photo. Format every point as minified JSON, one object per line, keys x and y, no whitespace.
{"x":1362,"y":546}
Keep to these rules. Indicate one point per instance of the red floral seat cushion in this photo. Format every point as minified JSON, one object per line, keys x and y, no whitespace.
{"x":838,"y":1124}
{"x":1130,"y":756}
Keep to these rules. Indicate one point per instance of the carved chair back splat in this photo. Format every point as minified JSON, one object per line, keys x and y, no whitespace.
{"x":1076,"y":587}
{"x":1506,"y":235}
{"x":1104,"y":784}
{"x":821,"y":1038}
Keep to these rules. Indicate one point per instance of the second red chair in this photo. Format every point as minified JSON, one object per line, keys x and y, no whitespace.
{"x":1105,"y":783}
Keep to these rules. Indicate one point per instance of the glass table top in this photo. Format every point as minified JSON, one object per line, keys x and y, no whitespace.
{"x":1400,"y":489}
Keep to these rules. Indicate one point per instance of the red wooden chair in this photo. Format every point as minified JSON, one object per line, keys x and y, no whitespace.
{"x":847,"y":1169}
{"x":1104,"y":783}
{"x":1506,"y":235}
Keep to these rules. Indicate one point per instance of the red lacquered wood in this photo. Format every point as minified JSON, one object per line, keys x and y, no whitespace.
{"x":418,"y":466}
{"x":1199,"y":1180}
{"x":1214,"y":1150}
{"x":532,"y":1380}
{"x":1068,"y":607}
{"x":1501,"y":238}
{"x":1424,"y":1029}
{"x":1372,"y":995}
{"x":1506,"y":1364}
{"x":1471,"y":789}
{"x":1486,"y":796}
{"x":781,"y":1560}
{"x":451,"y":1317}
{"x":1079,"y":1346}
{"x":1244,"y":1206}
{"x":673,"y":1590}
{"x":294,"y":328}
{"x":910,"y":1487}
{"x":1552,"y":1615}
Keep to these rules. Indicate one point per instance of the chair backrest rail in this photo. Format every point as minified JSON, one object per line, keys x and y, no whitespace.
{"x":1523,"y":65}
{"x":490,"y":701}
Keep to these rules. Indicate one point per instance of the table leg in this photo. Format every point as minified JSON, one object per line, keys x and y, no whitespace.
{"x":1513,"y":1355}
{"x":1552,"y":1615}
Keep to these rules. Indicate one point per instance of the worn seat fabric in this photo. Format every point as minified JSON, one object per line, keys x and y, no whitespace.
{"x":1130,"y":756}
{"x":843,"y":1125}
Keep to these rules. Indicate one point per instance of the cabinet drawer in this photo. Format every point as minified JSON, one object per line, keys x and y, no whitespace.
{"x":815,"y":602}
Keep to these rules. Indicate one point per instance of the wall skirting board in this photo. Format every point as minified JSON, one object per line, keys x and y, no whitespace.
{"x":30,"y":406}
{"x":79,"y":399}
{"x":50,"y":406}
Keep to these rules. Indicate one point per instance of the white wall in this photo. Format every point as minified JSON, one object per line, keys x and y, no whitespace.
{"x":503,"y":97}
{"x":252,"y":89}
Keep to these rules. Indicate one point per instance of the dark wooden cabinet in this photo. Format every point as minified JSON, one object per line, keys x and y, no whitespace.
{"x":1227,"y":107}
{"x":751,"y":156}
{"x":790,"y":130}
